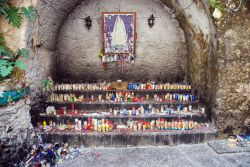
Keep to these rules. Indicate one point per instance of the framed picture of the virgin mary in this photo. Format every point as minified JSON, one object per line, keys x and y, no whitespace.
{"x":119,"y":32}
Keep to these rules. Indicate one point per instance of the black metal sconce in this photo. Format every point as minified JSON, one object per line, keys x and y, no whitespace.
{"x":151,"y":20}
{"x":88,"y":22}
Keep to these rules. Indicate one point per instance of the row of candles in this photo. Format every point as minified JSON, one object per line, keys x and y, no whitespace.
{"x":106,"y":125}
{"x":125,"y":96}
{"x":149,"y":110}
{"x":130,"y":86}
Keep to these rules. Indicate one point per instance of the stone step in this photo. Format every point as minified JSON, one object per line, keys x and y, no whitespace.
{"x":131,"y":138}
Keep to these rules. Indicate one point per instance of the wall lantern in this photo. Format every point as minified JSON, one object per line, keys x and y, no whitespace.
{"x":88,"y":22}
{"x":151,"y":20}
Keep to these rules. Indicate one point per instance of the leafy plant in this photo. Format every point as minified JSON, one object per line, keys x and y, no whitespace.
{"x":10,"y":63}
{"x":216,"y":4}
{"x":15,"y":14}
{"x":29,"y":12}
{"x":9,"y":60}
{"x":47,"y":84}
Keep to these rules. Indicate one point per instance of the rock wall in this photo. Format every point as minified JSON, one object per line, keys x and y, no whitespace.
{"x":16,"y":132}
{"x":160,"y":50}
{"x":233,"y":96}
{"x":40,"y":63}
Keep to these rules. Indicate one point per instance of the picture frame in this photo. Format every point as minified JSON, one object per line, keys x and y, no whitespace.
{"x":119,"y":33}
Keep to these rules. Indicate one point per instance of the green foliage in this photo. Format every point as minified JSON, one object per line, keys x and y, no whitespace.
{"x":14,"y":16}
{"x":3,"y":5}
{"x":6,"y":68}
{"x":47,"y":84}
{"x":1,"y":39}
{"x":24,"y":53}
{"x":9,"y":60}
{"x":5,"y":52}
{"x":29,"y":12}
{"x":20,"y":64}
{"x":216,"y":4}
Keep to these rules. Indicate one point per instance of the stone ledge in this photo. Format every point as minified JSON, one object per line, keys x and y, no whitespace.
{"x":122,"y":139}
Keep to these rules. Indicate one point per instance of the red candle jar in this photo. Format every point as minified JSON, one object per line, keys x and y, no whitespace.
{"x":148,"y":87}
{"x":72,"y":107}
{"x":134,"y":99}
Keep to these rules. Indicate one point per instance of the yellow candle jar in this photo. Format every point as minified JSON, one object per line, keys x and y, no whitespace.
{"x":103,"y":127}
{"x":107,"y":127}
{"x":110,"y":127}
{"x":99,"y":128}
{"x":190,"y":125}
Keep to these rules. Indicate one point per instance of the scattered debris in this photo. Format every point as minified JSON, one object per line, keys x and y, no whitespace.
{"x":52,"y":155}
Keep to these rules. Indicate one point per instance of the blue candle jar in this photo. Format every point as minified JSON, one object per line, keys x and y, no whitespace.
{"x":113,"y":97}
{"x":124,"y":112}
{"x":176,"y":97}
{"x":129,"y":86}
{"x":133,"y":86}
{"x":169,"y":111}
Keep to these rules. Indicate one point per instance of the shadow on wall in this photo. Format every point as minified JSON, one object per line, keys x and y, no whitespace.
{"x":161,"y":50}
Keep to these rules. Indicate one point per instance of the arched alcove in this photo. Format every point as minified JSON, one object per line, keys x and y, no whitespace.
{"x":192,"y":60}
{"x":160,"y":50}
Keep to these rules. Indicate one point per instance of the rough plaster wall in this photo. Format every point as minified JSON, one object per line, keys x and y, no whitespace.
{"x":39,"y":68}
{"x":194,"y":18}
{"x":200,"y":33}
{"x":196,"y":15}
{"x":161,"y":50}
{"x":51,"y":15}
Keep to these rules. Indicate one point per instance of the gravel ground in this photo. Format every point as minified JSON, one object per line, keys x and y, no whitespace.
{"x":197,"y":155}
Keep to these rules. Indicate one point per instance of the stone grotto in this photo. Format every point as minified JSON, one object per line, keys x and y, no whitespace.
{"x":127,"y":73}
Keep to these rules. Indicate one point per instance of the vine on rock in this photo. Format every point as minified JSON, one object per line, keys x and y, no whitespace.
{"x":11,"y":63}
